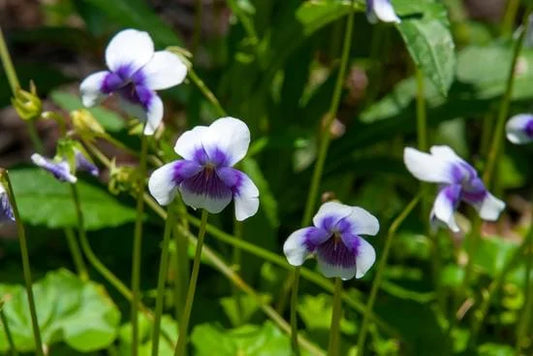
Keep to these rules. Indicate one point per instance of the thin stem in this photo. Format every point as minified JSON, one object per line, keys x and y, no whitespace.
{"x":182,"y":337}
{"x":8,"y":65}
{"x":294,"y":310}
{"x":4,"y":176}
{"x":247,"y":24}
{"x":12,"y":347}
{"x":525,"y":320}
{"x":74,"y":248}
{"x":237,"y":261}
{"x":206,"y":92}
{"x":334,"y":331}
{"x":163,"y":268}
{"x":182,"y":269}
{"x":421,"y":116}
{"x":497,"y":139}
{"x":137,"y":247}
{"x":380,"y":270}
{"x":197,"y":33}
{"x":34,"y":137}
{"x":509,"y":17}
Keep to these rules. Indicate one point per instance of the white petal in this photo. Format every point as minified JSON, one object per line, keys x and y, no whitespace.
{"x":164,"y":70}
{"x":490,"y":208}
{"x":161,"y":184}
{"x":362,"y":222}
{"x":295,"y":248}
{"x":91,"y":89}
{"x":444,"y":206}
{"x":190,"y":141}
{"x":229,"y":135}
{"x":331,"y":271}
{"x":246,"y":199}
{"x":516,"y":129}
{"x":330,"y":213}
{"x":384,"y":11}
{"x":427,"y":167}
{"x":213,"y":205}
{"x":130,"y":48}
{"x":366,"y":256}
{"x":154,"y":115}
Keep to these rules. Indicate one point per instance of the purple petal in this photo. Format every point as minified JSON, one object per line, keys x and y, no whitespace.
{"x":6,"y":212}
{"x":60,"y":170}
{"x":83,"y":164}
{"x":445,"y":204}
{"x":302,"y":243}
{"x":244,"y":192}
{"x":206,"y":190}
{"x":337,"y":260}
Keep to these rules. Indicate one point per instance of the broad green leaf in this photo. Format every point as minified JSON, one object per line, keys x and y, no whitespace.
{"x":249,"y":340}
{"x":316,"y":312}
{"x":313,"y":15}
{"x":42,"y":200}
{"x":168,"y":326}
{"x":137,"y":14}
{"x":81,"y":314}
{"x":426,"y":31}
{"x":493,"y":253}
{"x":69,"y":102}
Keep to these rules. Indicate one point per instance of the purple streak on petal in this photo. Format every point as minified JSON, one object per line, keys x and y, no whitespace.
{"x":335,"y":253}
{"x":111,"y":83}
{"x":184,"y":169}
{"x":474,"y":191}
{"x":124,"y":72}
{"x":328,"y":223}
{"x":528,"y":129}
{"x":6,"y":212}
{"x":139,"y":94}
{"x":207,"y":182}
{"x":463,"y":172}
{"x":217,"y":157}
{"x":314,"y":237}
{"x":59,"y":170}
{"x":200,"y":156}
{"x":232,"y":178}
{"x":83,"y":164}
{"x":139,"y":78}
{"x":452,"y":193}
{"x":343,"y":226}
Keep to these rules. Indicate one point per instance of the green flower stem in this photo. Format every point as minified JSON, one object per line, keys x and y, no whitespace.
{"x":182,"y":337}
{"x":137,"y":247}
{"x":334,"y":331}
{"x":8,"y":65}
{"x":236,"y":262}
{"x":206,"y":92}
{"x":380,"y":270}
{"x":525,"y":319}
{"x":34,"y":137}
{"x":163,"y":268}
{"x":498,"y":137}
{"x":294,"y":309}
{"x":4,"y":177}
{"x":76,"y":255}
{"x":313,"y":277}
{"x":421,"y":115}
{"x":497,"y":283}
{"x":321,"y":159}
{"x":509,"y":17}
{"x":181,"y":266}
{"x":3,"y":319}
{"x":197,"y":31}
{"x":247,"y":24}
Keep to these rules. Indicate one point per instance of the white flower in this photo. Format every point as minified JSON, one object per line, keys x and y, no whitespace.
{"x":135,"y":72}
{"x":519,"y":129}
{"x":381,"y":10}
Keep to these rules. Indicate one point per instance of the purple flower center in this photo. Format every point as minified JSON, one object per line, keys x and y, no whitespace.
{"x":131,"y":86}
{"x":529,"y":129}
{"x":334,"y":252}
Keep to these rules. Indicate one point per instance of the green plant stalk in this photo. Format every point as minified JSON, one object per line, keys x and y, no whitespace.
{"x":380,"y":270}
{"x":255,"y":250}
{"x":182,"y":337}
{"x":321,"y":159}
{"x":525,"y":320}
{"x":497,"y":284}
{"x":509,"y":17}
{"x":197,"y":32}
{"x":137,"y":247}
{"x":182,"y":270}
{"x":421,"y":115}
{"x":237,"y":261}
{"x":74,"y":248}
{"x":294,"y":310}
{"x":498,"y":137}
{"x":163,"y":268}
{"x":3,"y":319}
{"x":4,"y":177}
{"x":334,"y":331}
{"x":206,"y":92}
{"x":245,"y":21}
{"x":8,"y":65}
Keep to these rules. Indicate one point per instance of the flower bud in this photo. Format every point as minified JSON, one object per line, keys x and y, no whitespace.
{"x":86,"y":124}
{"x":27,"y":104}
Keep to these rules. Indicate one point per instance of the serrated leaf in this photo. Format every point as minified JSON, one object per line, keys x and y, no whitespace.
{"x":42,"y":200}
{"x":425,"y":29}
{"x":81,"y":314}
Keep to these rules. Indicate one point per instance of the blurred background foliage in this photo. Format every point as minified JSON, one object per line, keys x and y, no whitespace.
{"x":273,"y":64}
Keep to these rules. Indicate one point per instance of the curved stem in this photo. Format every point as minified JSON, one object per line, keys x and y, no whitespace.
{"x":137,"y":248}
{"x":163,"y":268}
{"x":9,"y":337}
{"x":334,"y":331}
{"x":182,"y":337}
{"x":206,"y":92}
{"x":11,"y":74}
{"x":4,"y":177}
{"x":379,"y":273}
{"x":76,"y":255}
{"x":497,"y":139}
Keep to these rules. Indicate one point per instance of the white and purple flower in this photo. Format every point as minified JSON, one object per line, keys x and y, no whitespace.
{"x":60,"y":168}
{"x":458,"y":182}
{"x":520,"y":129}
{"x":135,"y":72}
{"x":336,"y":241}
{"x":6,"y":211}
{"x":205,"y":177}
{"x":381,"y":10}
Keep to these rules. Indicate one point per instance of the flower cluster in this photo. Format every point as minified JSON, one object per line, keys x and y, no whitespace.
{"x":135,"y":73}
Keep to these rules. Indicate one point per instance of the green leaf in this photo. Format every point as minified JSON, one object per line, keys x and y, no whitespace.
{"x":168,"y":326}
{"x":316,"y":312}
{"x":240,"y":314}
{"x":313,"y":15}
{"x":42,"y":200}
{"x":249,"y":340}
{"x":81,"y":314}
{"x":426,"y":32}
{"x":493,"y":253}
{"x":137,"y":14}
{"x":69,"y":102}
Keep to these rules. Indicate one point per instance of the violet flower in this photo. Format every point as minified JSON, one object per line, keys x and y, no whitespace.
{"x":381,"y":10}
{"x":520,"y":129}
{"x":6,"y":211}
{"x":336,"y":241}
{"x":458,"y":182}
{"x":135,"y":72}
{"x":61,"y":169}
{"x":205,"y":177}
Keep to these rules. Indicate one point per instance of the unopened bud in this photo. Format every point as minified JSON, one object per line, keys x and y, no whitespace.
{"x":86,"y":124}
{"x":27,"y":103}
